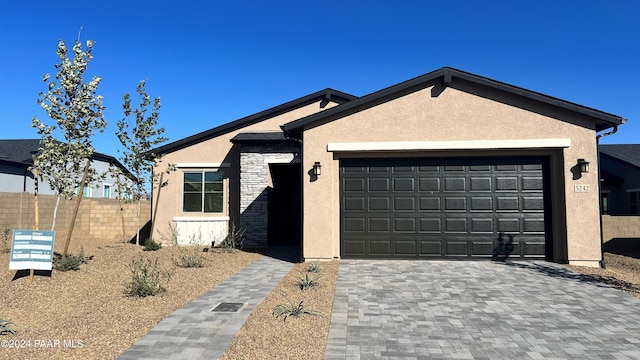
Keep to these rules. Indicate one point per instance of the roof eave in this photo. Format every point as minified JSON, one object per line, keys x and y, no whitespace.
{"x":604,"y":120}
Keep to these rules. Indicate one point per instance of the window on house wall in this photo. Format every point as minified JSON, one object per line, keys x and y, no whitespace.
{"x":86,"y":192}
{"x":634,"y":200}
{"x":203,"y":191}
{"x":106,"y":191}
{"x":605,"y":203}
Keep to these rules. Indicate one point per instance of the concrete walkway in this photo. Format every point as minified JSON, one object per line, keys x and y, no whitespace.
{"x":478,"y":310}
{"x":194,"y":332}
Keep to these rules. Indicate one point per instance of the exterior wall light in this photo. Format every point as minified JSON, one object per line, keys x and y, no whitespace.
{"x":583,"y":165}
{"x":316,"y":168}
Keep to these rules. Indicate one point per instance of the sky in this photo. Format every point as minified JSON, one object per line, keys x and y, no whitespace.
{"x":212,"y":62}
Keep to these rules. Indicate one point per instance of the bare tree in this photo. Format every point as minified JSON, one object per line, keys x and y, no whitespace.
{"x":138,"y":137}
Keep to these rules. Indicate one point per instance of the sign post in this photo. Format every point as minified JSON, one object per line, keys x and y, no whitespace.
{"x":31,"y":249}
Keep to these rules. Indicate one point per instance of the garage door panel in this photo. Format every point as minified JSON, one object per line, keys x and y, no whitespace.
{"x":430,"y":204}
{"x":455,"y":184}
{"x":456,"y":248}
{"x":380,"y":247}
{"x":430,"y":248}
{"x":443,"y":208}
{"x":379,"y":184}
{"x":354,"y":225}
{"x":482,"y":248}
{"x":428,"y":184}
{"x":404,"y":204}
{"x":480,"y":184}
{"x":430,"y":225}
{"x":404,"y":225}
{"x":481,"y":203}
{"x":405,"y":248}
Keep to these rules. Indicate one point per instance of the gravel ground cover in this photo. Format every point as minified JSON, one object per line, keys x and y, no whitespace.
{"x":85,"y":314}
{"x":264,"y":336}
{"x":89,"y":315}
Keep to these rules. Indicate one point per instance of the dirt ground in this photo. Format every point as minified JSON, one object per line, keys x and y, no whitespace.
{"x":86,"y":315}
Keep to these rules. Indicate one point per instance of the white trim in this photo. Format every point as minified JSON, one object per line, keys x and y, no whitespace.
{"x":201,"y":165}
{"x":104,"y":185}
{"x":200,"y":218}
{"x":450,"y":145}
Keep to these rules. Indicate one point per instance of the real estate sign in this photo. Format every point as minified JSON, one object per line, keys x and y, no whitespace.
{"x":31,"y":249}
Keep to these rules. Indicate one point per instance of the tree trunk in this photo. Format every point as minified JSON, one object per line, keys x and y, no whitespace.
{"x":36,"y":223}
{"x":55,"y":213}
{"x":138,"y":236}
{"x":75,"y":211}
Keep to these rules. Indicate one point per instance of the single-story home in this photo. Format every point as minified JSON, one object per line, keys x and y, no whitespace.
{"x":620,"y":179}
{"x":16,"y":156}
{"x":447,"y":165}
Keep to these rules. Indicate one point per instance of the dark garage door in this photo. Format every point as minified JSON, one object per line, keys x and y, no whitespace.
{"x":444,"y":208}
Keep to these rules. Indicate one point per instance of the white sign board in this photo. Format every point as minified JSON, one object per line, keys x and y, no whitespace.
{"x":31,"y":249}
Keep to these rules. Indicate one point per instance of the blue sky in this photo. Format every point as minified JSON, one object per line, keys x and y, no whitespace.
{"x":213,"y":62}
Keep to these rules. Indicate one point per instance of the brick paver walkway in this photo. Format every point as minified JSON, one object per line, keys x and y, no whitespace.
{"x":478,"y":310}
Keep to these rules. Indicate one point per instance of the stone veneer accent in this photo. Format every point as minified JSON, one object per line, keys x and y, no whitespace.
{"x":254,"y":184}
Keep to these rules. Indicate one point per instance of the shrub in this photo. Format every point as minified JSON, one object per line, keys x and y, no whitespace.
{"x":292,"y":309}
{"x":169,"y":237}
{"x":305,"y":282}
{"x":5,"y":236}
{"x":314,"y":267}
{"x":70,"y":262}
{"x":190,"y":258}
{"x":151,"y":245}
{"x":5,"y":327}
{"x":147,"y":277}
{"x":234,"y":239}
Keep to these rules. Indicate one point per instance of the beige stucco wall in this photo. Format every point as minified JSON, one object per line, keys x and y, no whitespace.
{"x":453,"y":115}
{"x":215,"y":150}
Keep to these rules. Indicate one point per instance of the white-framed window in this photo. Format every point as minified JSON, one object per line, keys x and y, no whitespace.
{"x":106,"y":191}
{"x":203,"y":191}
{"x":86,"y":192}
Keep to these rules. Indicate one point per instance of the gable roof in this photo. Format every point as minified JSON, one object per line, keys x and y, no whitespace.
{"x":628,"y":153}
{"x":322,"y":95}
{"x":21,"y":151}
{"x":448,"y":75}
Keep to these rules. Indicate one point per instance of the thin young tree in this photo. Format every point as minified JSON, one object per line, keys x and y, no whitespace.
{"x":77,"y":112}
{"x":138,"y":137}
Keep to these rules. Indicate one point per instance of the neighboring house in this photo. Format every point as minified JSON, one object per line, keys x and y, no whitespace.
{"x":16,"y":156}
{"x":620,"y":179}
{"x":448,"y":165}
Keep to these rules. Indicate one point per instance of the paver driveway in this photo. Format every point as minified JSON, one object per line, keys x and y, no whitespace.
{"x":478,"y":310}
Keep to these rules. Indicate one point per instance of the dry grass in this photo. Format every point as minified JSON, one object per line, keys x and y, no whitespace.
{"x":89,"y":306}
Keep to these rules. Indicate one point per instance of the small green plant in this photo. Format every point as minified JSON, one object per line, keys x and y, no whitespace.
{"x":190,"y":258}
{"x":151,"y":245}
{"x":234,"y":239}
{"x":5,"y":327}
{"x":305,"y":282}
{"x":291,"y":309}
{"x":314,"y":267}
{"x":171,"y":236}
{"x":148,"y":278}
{"x":5,"y":236}
{"x":70,"y":262}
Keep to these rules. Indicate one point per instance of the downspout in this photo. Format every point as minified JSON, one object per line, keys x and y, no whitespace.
{"x":615,"y":129}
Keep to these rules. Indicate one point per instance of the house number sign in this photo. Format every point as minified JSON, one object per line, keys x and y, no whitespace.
{"x":581,"y":188}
